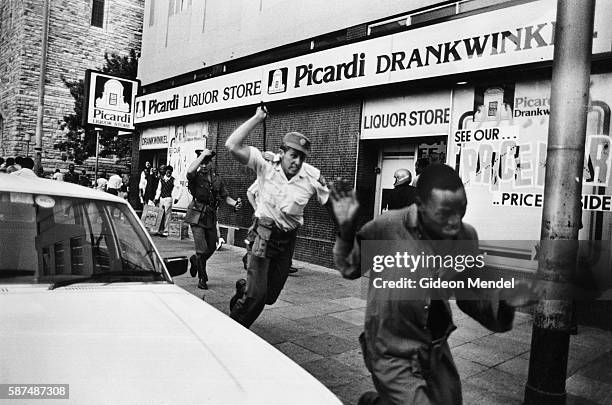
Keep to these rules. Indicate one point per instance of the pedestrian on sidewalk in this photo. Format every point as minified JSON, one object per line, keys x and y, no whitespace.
{"x":71,"y":176}
{"x":208,"y":190}
{"x":114,"y":183}
{"x":101,"y":182}
{"x":284,"y":190}
{"x":404,"y":342}
{"x":84,"y":179}
{"x":168,"y":191}
{"x":27,"y":168}
{"x":151,"y":187}
{"x":58,"y":176}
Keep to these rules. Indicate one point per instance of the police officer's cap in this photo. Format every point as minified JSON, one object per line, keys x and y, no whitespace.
{"x":297,"y":141}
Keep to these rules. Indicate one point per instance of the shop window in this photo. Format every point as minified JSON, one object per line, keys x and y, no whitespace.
{"x":388,"y":27}
{"x":469,"y":5}
{"x":400,"y":23}
{"x":329,"y":40}
{"x":97,"y":13}
{"x":434,"y":14}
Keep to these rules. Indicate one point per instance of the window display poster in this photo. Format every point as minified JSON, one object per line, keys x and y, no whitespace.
{"x":499,"y":146}
{"x":184,"y":141}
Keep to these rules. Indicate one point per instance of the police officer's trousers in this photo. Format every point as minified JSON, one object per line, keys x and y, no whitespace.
{"x":266,"y":277}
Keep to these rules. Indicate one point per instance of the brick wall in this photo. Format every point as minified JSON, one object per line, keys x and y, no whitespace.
{"x":10,"y":68}
{"x":333,"y":128}
{"x":73,"y":46}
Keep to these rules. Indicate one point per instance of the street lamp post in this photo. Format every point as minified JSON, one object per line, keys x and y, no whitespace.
{"x":561,"y":212}
{"x":41,"y":92}
{"x":98,"y":130}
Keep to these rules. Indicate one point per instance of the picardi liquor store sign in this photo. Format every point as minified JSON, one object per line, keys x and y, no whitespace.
{"x":505,"y":37}
{"x":109,"y":100}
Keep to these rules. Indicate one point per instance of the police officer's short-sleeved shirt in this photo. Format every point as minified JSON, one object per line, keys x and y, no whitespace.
{"x":284,"y":200}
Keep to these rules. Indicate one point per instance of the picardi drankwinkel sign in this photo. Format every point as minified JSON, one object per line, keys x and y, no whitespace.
{"x":109,"y":100}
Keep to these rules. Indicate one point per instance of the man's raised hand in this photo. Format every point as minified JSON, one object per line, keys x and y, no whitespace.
{"x":345,"y":207}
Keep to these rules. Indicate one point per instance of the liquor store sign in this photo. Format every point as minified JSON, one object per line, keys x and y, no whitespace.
{"x":109,"y":101}
{"x":510,"y":36}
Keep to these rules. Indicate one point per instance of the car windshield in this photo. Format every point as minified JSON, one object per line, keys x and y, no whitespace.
{"x":51,"y":239}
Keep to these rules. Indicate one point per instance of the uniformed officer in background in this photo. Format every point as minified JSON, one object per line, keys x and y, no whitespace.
{"x":284,"y":188}
{"x":208,"y":190}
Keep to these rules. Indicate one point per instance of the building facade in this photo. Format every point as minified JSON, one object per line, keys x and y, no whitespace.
{"x":79,"y":34}
{"x":465,"y":83}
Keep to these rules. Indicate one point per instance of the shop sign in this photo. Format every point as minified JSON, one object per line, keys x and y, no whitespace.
{"x":109,"y":101}
{"x":505,"y":37}
{"x":409,"y":116}
{"x":155,"y":138}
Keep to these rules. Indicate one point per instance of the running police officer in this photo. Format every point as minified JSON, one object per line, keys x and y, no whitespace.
{"x":208,"y":190}
{"x":284,"y":187}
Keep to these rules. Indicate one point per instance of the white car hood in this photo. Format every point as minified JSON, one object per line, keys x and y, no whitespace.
{"x":142,"y":344}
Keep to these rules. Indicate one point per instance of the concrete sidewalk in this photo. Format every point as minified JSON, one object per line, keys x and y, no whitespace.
{"x":319,"y":316}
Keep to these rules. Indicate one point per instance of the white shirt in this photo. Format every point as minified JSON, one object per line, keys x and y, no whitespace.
{"x":25,"y":172}
{"x":101,"y":184}
{"x":115,"y":181}
{"x":284,"y":200}
{"x":58,"y":176}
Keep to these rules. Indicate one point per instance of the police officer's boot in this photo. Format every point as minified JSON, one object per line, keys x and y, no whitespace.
{"x":240,"y":291}
{"x":201,"y":261}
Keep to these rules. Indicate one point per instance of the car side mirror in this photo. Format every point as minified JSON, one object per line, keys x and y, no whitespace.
{"x":176,"y":265}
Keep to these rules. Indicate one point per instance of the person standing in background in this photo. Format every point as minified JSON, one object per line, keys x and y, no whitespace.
{"x":84,"y":179}
{"x":114,"y":183}
{"x":403,"y":194}
{"x":167,"y":192}
{"x":101,"y":182}
{"x":151,"y":186}
{"x":71,"y":176}
{"x":58,"y":176}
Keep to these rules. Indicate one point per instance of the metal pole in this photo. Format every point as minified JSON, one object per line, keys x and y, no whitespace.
{"x":264,"y":128}
{"x":38,"y":169}
{"x":97,"y":151}
{"x":561,"y":216}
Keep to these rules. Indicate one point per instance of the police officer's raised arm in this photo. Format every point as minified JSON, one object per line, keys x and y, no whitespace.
{"x":235,"y":143}
{"x":193,"y":167}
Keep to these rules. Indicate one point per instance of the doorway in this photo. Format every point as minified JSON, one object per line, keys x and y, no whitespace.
{"x":403,"y":154}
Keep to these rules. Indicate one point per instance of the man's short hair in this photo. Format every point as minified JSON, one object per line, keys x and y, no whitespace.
{"x":27,"y":162}
{"x":438,"y":176}
{"x":168,"y":167}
